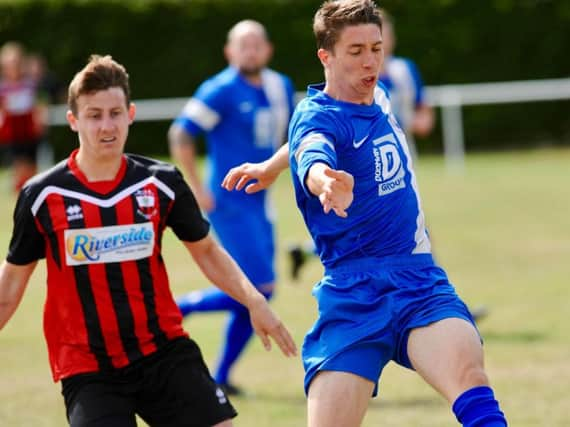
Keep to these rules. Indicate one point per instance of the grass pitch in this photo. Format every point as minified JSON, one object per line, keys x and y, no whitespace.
{"x":501,"y":230}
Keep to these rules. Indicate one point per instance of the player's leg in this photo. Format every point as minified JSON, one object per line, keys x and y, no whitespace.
{"x":252,"y":246}
{"x":338,"y":399}
{"x":299,"y":254}
{"x":347,"y":348}
{"x":448,"y":354}
{"x":438,"y":339}
{"x":206,"y":300}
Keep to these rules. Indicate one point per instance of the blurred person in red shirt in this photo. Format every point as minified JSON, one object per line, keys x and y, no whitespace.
{"x":23,"y":116}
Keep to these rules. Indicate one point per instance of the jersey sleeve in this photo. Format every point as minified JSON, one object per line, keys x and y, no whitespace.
{"x":311,"y":140}
{"x":185,"y":217}
{"x":203,"y":111}
{"x":419,"y":98}
{"x":27,"y":243}
{"x":290,"y":95}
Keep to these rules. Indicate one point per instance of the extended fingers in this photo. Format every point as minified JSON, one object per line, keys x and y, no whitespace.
{"x":231,"y":179}
{"x":283,"y":339}
{"x":237,"y":178}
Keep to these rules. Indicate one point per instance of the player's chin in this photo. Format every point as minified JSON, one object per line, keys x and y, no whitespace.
{"x":252,"y":70}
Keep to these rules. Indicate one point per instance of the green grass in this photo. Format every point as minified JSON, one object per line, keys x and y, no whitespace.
{"x":501,"y":230}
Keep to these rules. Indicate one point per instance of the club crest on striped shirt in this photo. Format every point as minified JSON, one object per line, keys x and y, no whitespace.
{"x":146,"y":201}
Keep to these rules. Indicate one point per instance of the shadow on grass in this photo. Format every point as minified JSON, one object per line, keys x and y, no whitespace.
{"x":425,"y":402}
{"x":515,"y":336}
{"x":377,"y":403}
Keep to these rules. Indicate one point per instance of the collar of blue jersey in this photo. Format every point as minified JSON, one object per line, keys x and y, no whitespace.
{"x":315,"y":91}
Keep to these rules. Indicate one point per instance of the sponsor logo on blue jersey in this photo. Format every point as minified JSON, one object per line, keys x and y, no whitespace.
{"x":388,"y":166}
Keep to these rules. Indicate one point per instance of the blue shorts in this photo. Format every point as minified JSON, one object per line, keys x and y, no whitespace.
{"x":367,"y":309}
{"x":247,"y":235}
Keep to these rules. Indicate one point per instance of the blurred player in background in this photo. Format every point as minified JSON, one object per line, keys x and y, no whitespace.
{"x":23,"y":116}
{"x":243,"y":111}
{"x":113,"y":330}
{"x":403,"y":80}
{"x":382,"y":296}
{"x":50,"y":90}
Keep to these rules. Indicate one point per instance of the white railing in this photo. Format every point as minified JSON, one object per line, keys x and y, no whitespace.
{"x":451,"y":99}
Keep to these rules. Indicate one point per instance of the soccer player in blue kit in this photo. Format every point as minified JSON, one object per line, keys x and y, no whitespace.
{"x":382,"y":296}
{"x":244,"y":111}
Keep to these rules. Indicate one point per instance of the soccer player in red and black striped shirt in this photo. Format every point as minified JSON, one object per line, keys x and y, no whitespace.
{"x":113,"y":330}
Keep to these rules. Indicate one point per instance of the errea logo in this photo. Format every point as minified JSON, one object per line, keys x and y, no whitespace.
{"x":74,"y":212}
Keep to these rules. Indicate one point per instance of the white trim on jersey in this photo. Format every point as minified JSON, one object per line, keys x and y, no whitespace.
{"x":381,"y":98}
{"x":423,"y":244}
{"x":276,"y":92}
{"x":104,"y":203}
{"x":201,"y":114}
{"x":404,"y":90}
{"x":310,"y":139}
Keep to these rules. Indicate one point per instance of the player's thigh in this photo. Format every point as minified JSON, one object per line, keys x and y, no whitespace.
{"x":448,"y":354}
{"x":179,"y":391}
{"x":93,"y":402}
{"x":338,"y":398}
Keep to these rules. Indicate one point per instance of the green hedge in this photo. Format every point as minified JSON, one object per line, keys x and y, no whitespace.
{"x":170,"y":47}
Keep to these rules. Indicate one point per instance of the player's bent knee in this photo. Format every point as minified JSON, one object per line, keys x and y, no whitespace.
{"x":473,"y":376}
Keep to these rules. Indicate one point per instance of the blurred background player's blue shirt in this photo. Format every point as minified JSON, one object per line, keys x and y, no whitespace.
{"x":242,"y":123}
{"x":404,"y":83}
{"x":385,"y":218}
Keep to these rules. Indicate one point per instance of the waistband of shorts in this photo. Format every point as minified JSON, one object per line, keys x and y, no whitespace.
{"x":372,"y":264}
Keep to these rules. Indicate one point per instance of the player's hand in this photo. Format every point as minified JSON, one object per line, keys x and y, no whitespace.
{"x":238,"y":177}
{"x":266,"y":324}
{"x":336,"y":194}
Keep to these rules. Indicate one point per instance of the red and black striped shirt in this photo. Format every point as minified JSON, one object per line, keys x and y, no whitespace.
{"x":108,"y":298}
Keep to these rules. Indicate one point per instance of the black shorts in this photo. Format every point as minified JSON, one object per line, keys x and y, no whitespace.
{"x":21,"y":151}
{"x":172,"y":387}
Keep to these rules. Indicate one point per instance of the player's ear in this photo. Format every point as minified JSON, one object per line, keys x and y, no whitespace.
{"x":323,"y":55}
{"x":132,"y":112}
{"x":228,"y":52}
{"x":72,"y":120}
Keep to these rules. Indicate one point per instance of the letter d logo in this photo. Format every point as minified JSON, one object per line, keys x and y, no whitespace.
{"x":389,"y":157}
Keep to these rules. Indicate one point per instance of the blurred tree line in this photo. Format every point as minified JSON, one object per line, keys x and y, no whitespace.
{"x":170,"y":46}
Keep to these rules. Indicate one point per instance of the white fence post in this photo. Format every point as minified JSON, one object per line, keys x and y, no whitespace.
{"x":452,"y":126}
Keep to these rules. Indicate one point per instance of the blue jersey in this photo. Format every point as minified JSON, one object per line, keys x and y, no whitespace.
{"x":385,"y":218}
{"x":403,"y":80}
{"x":242,"y":123}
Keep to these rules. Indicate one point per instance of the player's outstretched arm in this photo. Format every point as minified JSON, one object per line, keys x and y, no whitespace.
{"x":263,"y":173}
{"x":332,"y":187}
{"x":223,"y":271}
{"x":13,"y":281}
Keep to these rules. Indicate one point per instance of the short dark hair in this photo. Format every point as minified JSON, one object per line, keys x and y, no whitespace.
{"x":334,"y":15}
{"x":100,"y":73}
